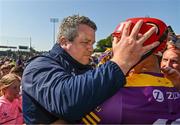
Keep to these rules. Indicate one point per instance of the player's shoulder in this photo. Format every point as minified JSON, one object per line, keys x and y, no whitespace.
{"x":143,"y":80}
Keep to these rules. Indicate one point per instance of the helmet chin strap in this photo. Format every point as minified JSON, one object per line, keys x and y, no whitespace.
{"x":161,"y":40}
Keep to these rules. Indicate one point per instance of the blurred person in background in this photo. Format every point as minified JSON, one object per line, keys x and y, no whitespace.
{"x":19,"y":61}
{"x":170,"y":63}
{"x":62,"y":85}
{"x":10,"y":101}
{"x":5,"y":69}
{"x":18,"y":70}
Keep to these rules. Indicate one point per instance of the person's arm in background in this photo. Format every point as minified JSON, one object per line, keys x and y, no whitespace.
{"x":173,"y":75}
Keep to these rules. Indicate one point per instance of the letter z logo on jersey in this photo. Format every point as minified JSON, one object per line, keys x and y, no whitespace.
{"x":158,"y":95}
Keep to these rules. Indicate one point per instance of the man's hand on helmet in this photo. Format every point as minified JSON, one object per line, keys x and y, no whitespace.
{"x":128,"y":49}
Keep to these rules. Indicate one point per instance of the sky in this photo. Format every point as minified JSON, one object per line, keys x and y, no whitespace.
{"x":22,"y":21}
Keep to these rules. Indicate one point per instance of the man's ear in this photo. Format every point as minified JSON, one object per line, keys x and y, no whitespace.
{"x":63,"y":42}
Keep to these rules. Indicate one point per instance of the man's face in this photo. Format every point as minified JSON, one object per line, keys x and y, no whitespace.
{"x":171,"y":59}
{"x":82,"y":46}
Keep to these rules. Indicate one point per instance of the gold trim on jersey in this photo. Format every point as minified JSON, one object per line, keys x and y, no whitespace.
{"x":85,"y":121}
{"x":142,"y":80}
{"x":91,"y":118}
{"x":95,"y":116}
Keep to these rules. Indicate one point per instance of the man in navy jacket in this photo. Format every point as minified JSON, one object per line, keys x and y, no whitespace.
{"x":61,"y":84}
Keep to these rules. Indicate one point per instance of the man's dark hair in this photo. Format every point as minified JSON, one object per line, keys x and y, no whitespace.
{"x":69,"y":26}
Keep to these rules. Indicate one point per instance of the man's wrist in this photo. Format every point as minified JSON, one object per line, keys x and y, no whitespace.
{"x":125,"y":67}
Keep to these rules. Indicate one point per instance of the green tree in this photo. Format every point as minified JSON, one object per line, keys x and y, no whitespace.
{"x":103,"y":44}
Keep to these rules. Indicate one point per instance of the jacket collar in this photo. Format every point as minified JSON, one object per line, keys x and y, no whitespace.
{"x":57,"y":52}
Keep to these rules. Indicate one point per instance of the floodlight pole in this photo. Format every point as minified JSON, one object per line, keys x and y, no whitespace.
{"x":54,"y":20}
{"x":30,"y":44}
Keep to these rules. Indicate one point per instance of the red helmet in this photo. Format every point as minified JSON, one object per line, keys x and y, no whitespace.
{"x":159,"y":35}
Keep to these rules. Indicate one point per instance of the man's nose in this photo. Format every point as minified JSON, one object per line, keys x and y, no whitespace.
{"x":90,"y":48}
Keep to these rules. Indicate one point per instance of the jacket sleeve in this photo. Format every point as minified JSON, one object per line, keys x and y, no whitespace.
{"x":71,"y":96}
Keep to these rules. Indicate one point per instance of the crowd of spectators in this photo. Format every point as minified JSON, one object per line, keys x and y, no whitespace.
{"x":11,"y":69}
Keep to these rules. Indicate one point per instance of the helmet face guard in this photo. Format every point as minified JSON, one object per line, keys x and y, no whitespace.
{"x":160,"y":34}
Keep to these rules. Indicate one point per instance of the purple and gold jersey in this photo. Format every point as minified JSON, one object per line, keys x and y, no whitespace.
{"x":146,"y":99}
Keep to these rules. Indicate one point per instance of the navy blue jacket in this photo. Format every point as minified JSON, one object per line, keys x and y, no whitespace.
{"x":57,"y":86}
